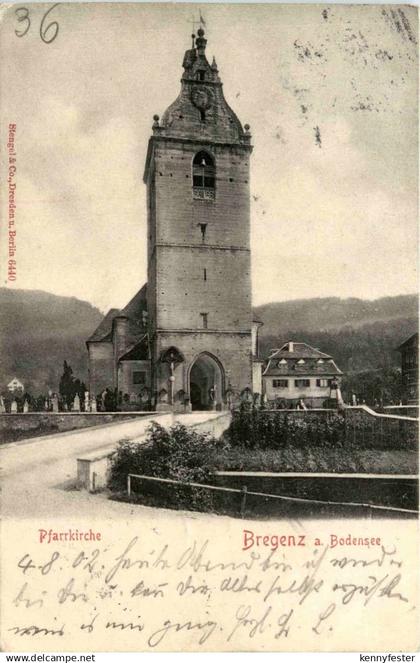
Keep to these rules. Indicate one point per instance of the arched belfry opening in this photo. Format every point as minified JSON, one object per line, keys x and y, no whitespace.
{"x":206,"y":383}
{"x":204,"y":171}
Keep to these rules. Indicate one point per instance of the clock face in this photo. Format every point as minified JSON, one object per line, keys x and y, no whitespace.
{"x":202,"y":98}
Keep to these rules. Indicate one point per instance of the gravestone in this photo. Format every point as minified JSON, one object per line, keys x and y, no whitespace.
{"x":76,"y":403}
{"x":55,"y":403}
{"x":26,"y":406}
{"x":93,"y":407}
{"x":2,"y":405}
{"x":13,"y":407}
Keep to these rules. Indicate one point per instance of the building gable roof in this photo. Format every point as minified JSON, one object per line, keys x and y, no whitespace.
{"x":104,"y":329}
{"x":136,"y":305}
{"x":300,"y":351}
{"x":287,"y":360}
{"x":139,"y":352}
{"x":135,"y":311}
{"x":413,"y":342}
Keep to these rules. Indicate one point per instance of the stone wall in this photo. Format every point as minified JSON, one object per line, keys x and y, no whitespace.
{"x":214,"y":424}
{"x":126,"y":384}
{"x":20,"y":426}
{"x":185,"y":290}
{"x":180,"y":255}
{"x":232,"y":351}
{"x":179,"y":288}
{"x":92,"y":469}
{"x":177,"y":214}
{"x":101,"y":366}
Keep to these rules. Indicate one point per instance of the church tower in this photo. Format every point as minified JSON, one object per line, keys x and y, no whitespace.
{"x":200,"y":322}
{"x":188,"y":339}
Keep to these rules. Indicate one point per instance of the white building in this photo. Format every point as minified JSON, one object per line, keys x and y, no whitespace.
{"x":297,"y":372}
{"x":15,"y":385}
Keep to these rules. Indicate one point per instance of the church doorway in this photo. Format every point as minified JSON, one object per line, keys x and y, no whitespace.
{"x":206,"y":383}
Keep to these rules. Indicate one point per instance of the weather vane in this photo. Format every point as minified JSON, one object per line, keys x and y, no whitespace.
{"x":197,"y":22}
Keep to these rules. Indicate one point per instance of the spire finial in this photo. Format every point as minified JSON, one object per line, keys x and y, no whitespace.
{"x":201,"y":42}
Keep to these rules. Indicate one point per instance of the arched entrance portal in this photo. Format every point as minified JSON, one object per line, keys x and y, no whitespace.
{"x":206,"y":383}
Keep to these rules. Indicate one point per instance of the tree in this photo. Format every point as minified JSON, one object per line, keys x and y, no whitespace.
{"x":67,"y":386}
{"x":380,"y":386}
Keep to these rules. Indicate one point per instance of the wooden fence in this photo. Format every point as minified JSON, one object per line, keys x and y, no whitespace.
{"x":245,"y":493}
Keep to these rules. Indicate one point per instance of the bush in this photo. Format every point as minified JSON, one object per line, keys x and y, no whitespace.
{"x":177,"y":453}
{"x":258,"y":429}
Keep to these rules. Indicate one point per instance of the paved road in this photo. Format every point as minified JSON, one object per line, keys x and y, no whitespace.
{"x":38,"y":475}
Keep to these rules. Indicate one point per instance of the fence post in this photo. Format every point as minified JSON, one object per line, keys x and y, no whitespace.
{"x":128,"y":485}
{"x":243,"y":500}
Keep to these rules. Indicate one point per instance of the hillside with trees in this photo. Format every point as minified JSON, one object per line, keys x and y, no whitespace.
{"x":38,"y":331}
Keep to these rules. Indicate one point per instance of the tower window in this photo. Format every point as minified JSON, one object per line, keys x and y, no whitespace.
{"x":205,"y":274}
{"x":204,"y":176}
{"x":203,"y":116}
{"x":205,"y":320}
{"x":201,"y":74}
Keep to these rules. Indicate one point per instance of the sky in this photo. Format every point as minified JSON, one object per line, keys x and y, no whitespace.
{"x":330,"y":92}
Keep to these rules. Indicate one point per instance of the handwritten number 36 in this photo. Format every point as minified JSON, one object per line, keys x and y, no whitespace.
{"x":45,"y":33}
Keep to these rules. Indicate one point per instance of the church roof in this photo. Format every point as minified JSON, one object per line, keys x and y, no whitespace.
{"x":104,"y":328}
{"x":137,"y":304}
{"x":140,"y":351}
{"x":135,"y":311}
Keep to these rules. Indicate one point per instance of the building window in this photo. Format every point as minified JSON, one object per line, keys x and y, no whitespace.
{"x":302,"y":383}
{"x":280,"y":384}
{"x":282,"y":362}
{"x":205,"y":274}
{"x":139,"y":377}
{"x":301,"y":361}
{"x":204,"y":176}
{"x":205,"y":320}
{"x":323,"y":382}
